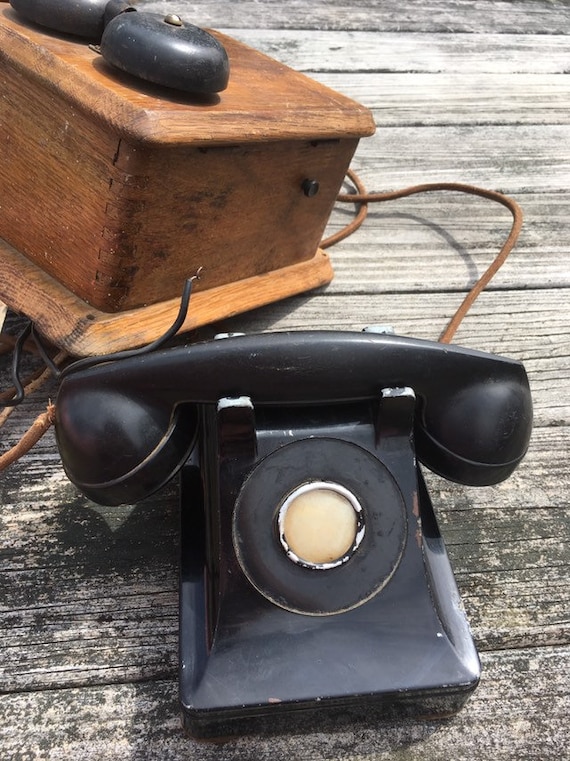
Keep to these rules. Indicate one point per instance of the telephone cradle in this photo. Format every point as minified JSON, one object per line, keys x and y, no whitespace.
{"x":314,"y":579}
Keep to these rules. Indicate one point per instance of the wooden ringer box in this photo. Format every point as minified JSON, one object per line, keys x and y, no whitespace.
{"x":114,"y":191}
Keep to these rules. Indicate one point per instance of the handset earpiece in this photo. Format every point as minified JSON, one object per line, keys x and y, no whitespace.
{"x":118,"y":448}
{"x":477,"y":434}
{"x":116,"y":445}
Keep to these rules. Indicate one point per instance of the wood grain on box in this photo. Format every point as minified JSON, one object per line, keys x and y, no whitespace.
{"x":120,"y":190}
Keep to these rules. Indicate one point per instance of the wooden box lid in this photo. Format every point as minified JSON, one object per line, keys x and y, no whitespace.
{"x":264,"y":101}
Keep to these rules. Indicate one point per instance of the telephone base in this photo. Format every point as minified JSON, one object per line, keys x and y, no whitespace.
{"x":268,"y":646}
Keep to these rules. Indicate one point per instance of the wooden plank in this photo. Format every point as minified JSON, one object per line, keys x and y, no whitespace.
{"x":444,"y":241}
{"x":515,"y":159}
{"x":508,"y":542}
{"x":383,"y":52}
{"x":519,"y":711}
{"x":448,"y":16}
{"x":450,"y":98}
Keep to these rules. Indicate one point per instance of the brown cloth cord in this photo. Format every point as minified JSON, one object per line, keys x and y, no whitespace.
{"x":362,"y":198}
{"x":40,"y":425}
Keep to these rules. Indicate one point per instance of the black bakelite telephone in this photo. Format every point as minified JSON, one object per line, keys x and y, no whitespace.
{"x":313,"y":573}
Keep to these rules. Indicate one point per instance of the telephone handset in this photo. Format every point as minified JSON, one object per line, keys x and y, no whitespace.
{"x":161,"y":49}
{"x":313,"y":575}
{"x":472,"y":425}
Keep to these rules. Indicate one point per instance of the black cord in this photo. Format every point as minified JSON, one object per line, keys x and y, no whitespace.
{"x":18,"y":397}
{"x":38,"y":340}
{"x":82,"y":364}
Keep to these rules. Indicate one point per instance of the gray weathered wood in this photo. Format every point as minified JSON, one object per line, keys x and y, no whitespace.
{"x":444,"y":241}
{"x":455,"y":16}
{"x":508,"y":158}
{"x":519,"y":711}
{"x":418,"y":98}
{"x":363,"y":52}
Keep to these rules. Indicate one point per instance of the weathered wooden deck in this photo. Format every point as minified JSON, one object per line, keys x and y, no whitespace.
{"x":471,"y":91}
